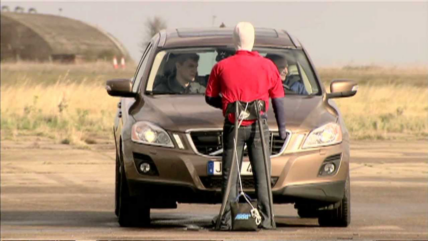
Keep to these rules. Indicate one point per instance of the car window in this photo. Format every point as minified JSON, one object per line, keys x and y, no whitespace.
{"x":171,"y":67}
{"x":206,"y":62}
{"x":308,"y":75}
{"x":298,"y":79}
{"x":186,"y":71}
{"x":305,"y":80}
{"x":140,"y":70}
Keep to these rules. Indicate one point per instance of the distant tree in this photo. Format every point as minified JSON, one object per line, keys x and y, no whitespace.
{"x":153,"y":26}
{"x":19,"y":9}
{"x":5,"y":8}
{"x":222,"y":25}
{"x":32,"y":10}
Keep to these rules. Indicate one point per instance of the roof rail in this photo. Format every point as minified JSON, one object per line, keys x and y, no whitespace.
{"x":295,"y":41}
{"x":162,"y":38}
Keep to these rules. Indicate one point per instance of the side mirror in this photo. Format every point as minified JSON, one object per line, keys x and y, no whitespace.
{"x":120,"y":87}
{"x":342,"y":88}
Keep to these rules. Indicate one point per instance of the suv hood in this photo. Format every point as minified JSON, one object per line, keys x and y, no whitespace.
{"x":181,"y":113}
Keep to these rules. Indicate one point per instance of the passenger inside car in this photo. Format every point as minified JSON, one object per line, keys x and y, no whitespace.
{"x":179,"y":75}
{"x":289,"y":82}
{"x":178,"y":72}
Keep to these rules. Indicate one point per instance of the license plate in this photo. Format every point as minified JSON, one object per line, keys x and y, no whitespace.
{"x":214,"y":168}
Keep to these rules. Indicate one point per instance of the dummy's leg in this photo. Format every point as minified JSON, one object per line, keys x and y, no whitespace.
{"x":262,"y":186}
{"x":229,"y":174}
{"x":266,"y":158}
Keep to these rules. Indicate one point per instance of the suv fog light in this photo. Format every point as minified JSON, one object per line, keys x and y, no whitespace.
{"x":329,"y":168}
{"x":145,"y":167}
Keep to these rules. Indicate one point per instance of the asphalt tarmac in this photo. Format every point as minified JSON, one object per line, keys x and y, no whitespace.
{"x":52,"y":191}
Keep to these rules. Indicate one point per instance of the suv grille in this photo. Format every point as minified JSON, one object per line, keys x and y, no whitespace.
{"x":247,"y":181}
{"x":210,"y":143}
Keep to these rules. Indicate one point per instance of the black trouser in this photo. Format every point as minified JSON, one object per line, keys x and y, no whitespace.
{"x":249,"y":135}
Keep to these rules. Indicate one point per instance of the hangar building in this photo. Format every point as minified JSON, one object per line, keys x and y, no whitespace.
{"x":42,"y":37}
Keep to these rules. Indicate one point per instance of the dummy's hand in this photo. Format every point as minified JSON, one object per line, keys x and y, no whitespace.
{"x":282,"y":134}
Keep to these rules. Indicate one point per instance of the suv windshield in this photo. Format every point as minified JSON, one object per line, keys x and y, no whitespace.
{"x":186,"y":71}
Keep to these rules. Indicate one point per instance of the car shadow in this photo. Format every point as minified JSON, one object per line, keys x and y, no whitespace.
{"x":159,"y":220}
{"x":58,"y":219}
{"x":295,"y":222}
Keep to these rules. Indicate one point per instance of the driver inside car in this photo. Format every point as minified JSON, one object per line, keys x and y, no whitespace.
{"x":182,"y":80}
{"x":289,"y":82}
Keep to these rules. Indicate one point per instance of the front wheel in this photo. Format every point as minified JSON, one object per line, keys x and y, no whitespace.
{"x":117,"y":186}
{"x":341,"y":216}
{"x":130,"y":212}
{"x":307,"y":213}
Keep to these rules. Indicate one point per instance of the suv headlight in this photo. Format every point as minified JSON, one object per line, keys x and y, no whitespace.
{"x":328,"y":134}
{"x":150,"y":134}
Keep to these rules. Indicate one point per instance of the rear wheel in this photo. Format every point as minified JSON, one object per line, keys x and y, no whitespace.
{"x":341,"y":216}
{"x":130,"y":212}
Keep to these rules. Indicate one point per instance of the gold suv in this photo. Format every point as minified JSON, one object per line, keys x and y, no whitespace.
{"x":169,"y":141}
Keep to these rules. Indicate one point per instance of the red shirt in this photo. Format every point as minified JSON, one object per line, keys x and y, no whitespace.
{"x":246,"y":76}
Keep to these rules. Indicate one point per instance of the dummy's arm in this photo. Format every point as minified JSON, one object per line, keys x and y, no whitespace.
{"x":214,"y":101}
{"x":278,"y":108}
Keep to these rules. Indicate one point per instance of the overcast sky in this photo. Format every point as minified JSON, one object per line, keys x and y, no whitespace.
{"x":334,"y":33}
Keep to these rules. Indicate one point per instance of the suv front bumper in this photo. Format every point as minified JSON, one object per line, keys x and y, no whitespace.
{"x":180,"y":172}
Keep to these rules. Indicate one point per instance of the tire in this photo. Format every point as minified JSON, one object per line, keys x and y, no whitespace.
{"x":341,"y":216}
{"x":117,"y":187}
{"x":130,"y":212}
{"x":307,"y":213}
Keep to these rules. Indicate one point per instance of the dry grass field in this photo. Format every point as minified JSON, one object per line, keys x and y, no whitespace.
{"x":391,"y":103}
{"x":69,"y":103}
{"x":378,"y":75}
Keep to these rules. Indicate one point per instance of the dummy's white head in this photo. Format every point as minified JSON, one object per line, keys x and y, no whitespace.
{"x":243,"y":36}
